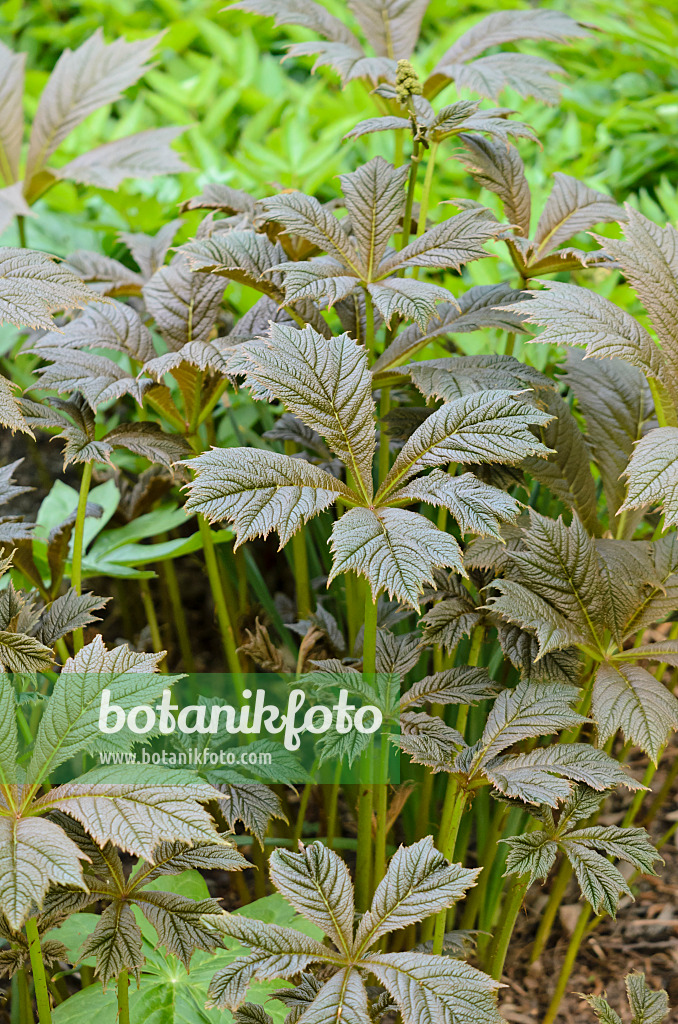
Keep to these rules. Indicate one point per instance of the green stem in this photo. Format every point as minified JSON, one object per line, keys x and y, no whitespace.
{"x":178,"y":615}
{"x":301,"y":813}
{"x":478,"y":894}
{"x":333,"y":806}
{"x":550,"y":912}
{"x":509,"y":915}
{"x":426,"y":191}
{"x":38,"y":968}
{"x":366,"y":789}
{"x":369,"y":325}
{"x":510,"y":343}
{"x":219,"y":598}
{"x":24,"y":998}
{"x":78,"y":538}
{"x":412,"y":184}
{"x":453,"y":809}
{"x":21,"y":225}
{"x":570,"y":958}
{"x":666,"y":417}
{"x":123,"y":998}
{"x":663,"y":794}
{"x":152,"y":620}
{"x":384,"y":451}
{"x":302,"y":582}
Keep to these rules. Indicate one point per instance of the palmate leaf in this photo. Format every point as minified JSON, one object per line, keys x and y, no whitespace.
{"x":149,"y":251}
{"x":391,"y":26}
{"x":10,"y":409}
{"x":112,"y":325}
{"x":253,"y":804}
{"x":578,"y":316}
{"x":449,"y":621}
{"x":141,"y":155}
{"x":653,"y":473}
{"x":97,"y":378}
{"x":413,"y":300}
{"x":245,"y":256}
{"x":135,"y":816}
{"x":453,"y":377}
{"x":178,"y":920}
{"x":478,"y":507}
{"x":21,"y":653}
{"x":561,"y":566}
{"x":615,"y":401}
{"x":250,"y":1013}
{"x":341,"y":999}
{"x":522,"y":650}
{"x":260,"y":491}
{"x":115,"y":942}
{"x":500,"y":169}
{"x":508,"y":27}
{"x":317,"y":884}
{"x":374,"y":197}
{"x":436,"y":988}
{"x":327,"y":383}
{"x":451,"y":243}
{"x":527,"y":75}
{"x":104,"y":275}
{"x":70,"y":721}
{"x":647,"y":1006}
{"x":9,"y":747}
{"x":465,"y":685}
{"x":476,"y":309}
{"x":303,"y":215}
{"x":489,"y":426}
{"x":520,"y":606}
{"x":396,"y":550}
{"x":626,"y":572}
{"x":419,"y":882}
{"x":183,"y":304}
{"x":33,"y":285}
{"x":301,"y":12}
{"x":628,"y":697}
{"x":531,"y":709}
{"x":82,"y":81}
{"x":171,"y":858}
{"x":33,"y":855}
{"x":661,"y":598}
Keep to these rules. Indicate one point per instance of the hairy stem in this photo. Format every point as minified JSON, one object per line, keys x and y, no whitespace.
{"x":123,"y":998}
{"x":38,"y":969}
{"x":78,"y":536}
{"x":219,"y":598}
{"x":509,"y":915}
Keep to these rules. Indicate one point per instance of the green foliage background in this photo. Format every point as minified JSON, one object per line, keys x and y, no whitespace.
{"x":260,"y":125}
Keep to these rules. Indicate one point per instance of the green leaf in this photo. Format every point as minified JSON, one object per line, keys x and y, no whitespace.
{"x":396,"y":550}
{"x":647,"y":1006}
{"x":435,"y":988}
{"x":251,"y":803}
{"x":327,"y":384}
{"x":260,"y":491}
{"x":419,"y":882}
{"x":178,"y":920}
{"x":489,"y":426}
{"x":463,"y":685}
{"x":653,"y":473}
{"x":601,"y":883}
{"x":522,"y":650}
{"x":341,"y":1000}
{"x":115,"y":942}
{"x":33,"y":855}
{"x":630,"y":844}
{"x":70,"y":721}
{"x":603,"y":1010}
{"x":532,"y":854}
{"x":317,"y":883}
{"x":478,"y":507}
{"x":33,"y":285}
{"x":374,"y":197}
{"x":627,"y":697}
{"x":20,"y":653}
{"x":531,"y":709}
{"x":413,"y":300}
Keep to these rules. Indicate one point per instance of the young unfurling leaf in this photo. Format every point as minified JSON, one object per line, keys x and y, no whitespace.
{"x":648,"y":1006}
